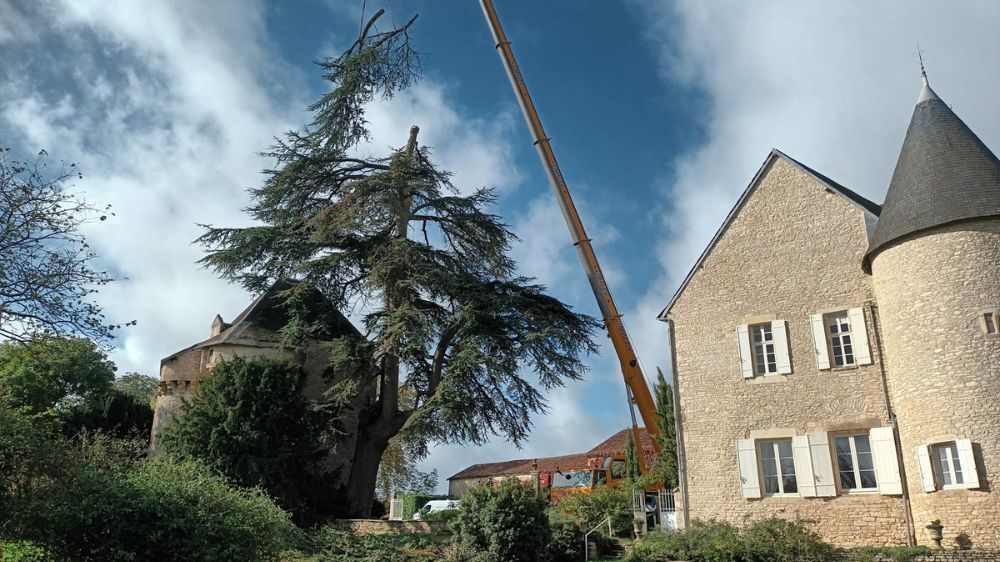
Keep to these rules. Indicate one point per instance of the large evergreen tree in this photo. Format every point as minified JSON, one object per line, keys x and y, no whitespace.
{"x":448,"y":318}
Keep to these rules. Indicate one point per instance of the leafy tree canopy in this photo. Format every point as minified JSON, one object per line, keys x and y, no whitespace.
{"x":141,"y":388}
{"x":53,"y":371}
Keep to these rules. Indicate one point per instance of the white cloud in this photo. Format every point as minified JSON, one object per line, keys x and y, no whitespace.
{"x":831,"y":84}
{"x":166,"y":106}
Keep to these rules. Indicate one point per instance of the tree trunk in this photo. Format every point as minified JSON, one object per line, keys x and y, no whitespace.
{"x":372,"y":441}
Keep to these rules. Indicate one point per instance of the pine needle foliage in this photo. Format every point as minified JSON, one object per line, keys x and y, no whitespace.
{"x":447,"y":318}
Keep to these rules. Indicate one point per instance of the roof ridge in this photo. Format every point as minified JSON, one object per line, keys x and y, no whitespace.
{"x":862,"y":203}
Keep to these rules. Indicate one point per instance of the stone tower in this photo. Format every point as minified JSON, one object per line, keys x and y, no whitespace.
{"x":934,"y":258}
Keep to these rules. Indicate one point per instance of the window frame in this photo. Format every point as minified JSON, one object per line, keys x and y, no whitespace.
{"x":987,"y":317}
{"x":953,"y":460}
{"x":828,"y":333}
{"x":774,"y":442}
{"x":752,"y":329}
{"x":856,"y":467}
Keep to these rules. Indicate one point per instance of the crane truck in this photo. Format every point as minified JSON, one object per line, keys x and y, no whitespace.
{"x":635,"y":382}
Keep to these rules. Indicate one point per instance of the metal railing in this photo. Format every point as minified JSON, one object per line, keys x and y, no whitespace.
{"x":586,"y":537}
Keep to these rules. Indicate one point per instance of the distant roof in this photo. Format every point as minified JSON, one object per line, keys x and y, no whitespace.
{"x":871,"y":209}
{"x":614,"y":445}
{"x":944,"y":174}
{"x":267,"y":311}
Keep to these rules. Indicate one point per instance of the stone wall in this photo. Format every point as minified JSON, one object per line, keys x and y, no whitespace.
{"x":946,"y":556}
{"x":792,"y":250}
{"x":944,"y":371}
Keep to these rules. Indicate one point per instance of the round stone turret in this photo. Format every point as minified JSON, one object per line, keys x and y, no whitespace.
{"x":935,"y":264}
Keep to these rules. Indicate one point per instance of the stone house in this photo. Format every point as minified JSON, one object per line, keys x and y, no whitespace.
{"x":839,"y":361}
{"x":253,"y":333}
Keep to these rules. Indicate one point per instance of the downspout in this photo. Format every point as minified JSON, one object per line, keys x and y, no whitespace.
{"x":911,"y":539}
{"x":679,"y":428}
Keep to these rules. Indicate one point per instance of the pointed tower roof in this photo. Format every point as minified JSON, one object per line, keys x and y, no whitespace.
{"x":944,"y":174}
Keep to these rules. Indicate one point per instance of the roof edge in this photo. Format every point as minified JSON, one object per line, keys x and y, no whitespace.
{"x":865,"y":205}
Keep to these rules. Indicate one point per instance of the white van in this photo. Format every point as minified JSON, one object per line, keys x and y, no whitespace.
{"x":435,"y":505}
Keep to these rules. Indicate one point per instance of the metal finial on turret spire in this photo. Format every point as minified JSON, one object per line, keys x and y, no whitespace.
{"x":926,"y":92}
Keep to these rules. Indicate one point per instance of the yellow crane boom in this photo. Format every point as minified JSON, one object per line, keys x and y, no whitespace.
{"x":631,"y":370}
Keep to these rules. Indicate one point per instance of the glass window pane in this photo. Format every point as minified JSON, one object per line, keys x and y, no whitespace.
{"x":847,"y":480}
{"x":956,"y":463}
{"x":771,"y":484}
{"x":868,"y":479}
{"x":942,"y":461}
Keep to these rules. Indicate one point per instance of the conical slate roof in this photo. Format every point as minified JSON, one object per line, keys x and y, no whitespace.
{"x":944,"y":174}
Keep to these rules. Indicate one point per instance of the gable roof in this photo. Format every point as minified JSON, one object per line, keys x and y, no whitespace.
{"x":872,"y":211}
{"x":944,"y":174}
{"x":267,"y":311}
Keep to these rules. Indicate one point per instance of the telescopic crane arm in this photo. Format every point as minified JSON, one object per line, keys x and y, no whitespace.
{"x":631,"y":369}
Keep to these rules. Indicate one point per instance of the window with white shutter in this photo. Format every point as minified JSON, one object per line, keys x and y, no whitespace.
{"x":746,"y":456}
{"x":779,"y":328}
{"x":862,"y":353}
{"x":967,"y":459}
{"x":819,"y":444}
{"x":886,"y":461}
{"x":819,"y":341}
{"x":746,"y":357}
{"x":927,"y":479}
{"x":802,"y":455}
{"x":840,"y":339}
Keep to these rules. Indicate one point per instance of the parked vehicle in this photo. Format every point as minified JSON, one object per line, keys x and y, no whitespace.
{"x":434,"y":506}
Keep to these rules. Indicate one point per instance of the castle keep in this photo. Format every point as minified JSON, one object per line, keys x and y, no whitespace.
{"x":839,"y":361}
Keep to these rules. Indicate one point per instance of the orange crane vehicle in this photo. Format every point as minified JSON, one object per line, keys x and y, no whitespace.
{"x":635,"y":382}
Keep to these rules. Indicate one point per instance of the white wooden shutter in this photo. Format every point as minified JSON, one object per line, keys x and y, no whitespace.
{"x":886,"y":462}
{"x":802,"y":457}
{"x":970,"y":474}
{"x":746,"y":358}
{"x":822,"y":464}
{"x":747,"y":458}
{"x":926,"y":470}
{"x":779,"y":331}
{"x":859,"y":336}
{"x":819,"y":341}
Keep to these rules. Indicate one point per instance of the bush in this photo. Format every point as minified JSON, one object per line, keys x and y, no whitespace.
{"x":769,"y":540}
{"x":252,"y":422}
{"x":567,"y":538}
{"x":330,"y":545}
{"x":448,"y":516}
{"x":590,"y":508}
{"x":895,"y":553}
{"x":506,"y":523}
{"x":25,"y":551}
{"x":780,"y":540}
{"x":161,"y":510}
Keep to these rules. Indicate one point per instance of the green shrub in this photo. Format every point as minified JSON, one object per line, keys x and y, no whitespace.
{"x":330,"y":545}
{"x":895,"y":553}
{"x":448,"y":516}
{"x":591,"y":508}
{"x":25,"y":551}
{"x":780,"y":540}
{"x":658,"y":546}
{"x":506,"y":523}
{"x":252,"y":422}
{"x":768,"y":540}
{"x":161,"y":510}
{"x":567,"y":538}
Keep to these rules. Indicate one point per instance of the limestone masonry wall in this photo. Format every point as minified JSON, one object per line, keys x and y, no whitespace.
{"x":793,"y":250}
{"x":944,"y":371}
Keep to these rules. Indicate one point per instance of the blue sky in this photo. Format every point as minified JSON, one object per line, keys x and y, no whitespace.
{"x":660,"y":112}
